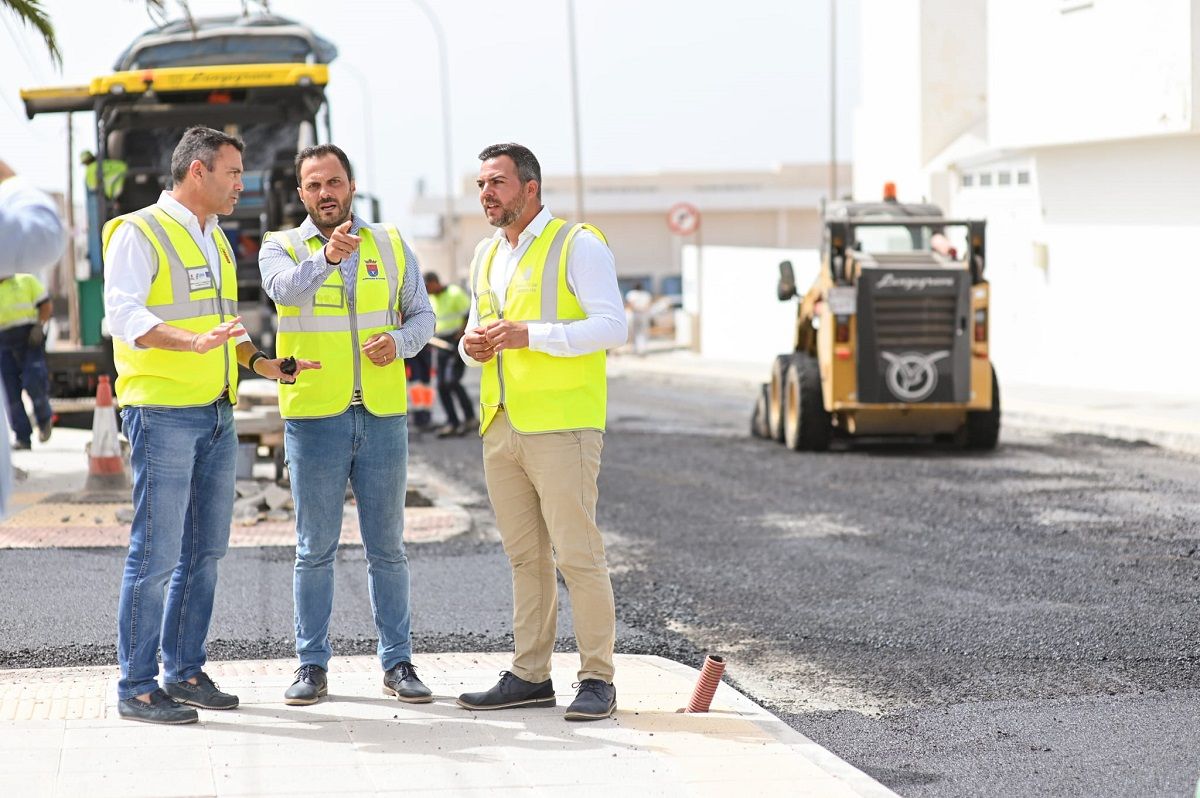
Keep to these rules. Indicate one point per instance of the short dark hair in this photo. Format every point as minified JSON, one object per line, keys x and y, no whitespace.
{"x":320,"y":151}
{"x":201,"y":144}
{"x":527,"y":164}
{"x":431,"y":277}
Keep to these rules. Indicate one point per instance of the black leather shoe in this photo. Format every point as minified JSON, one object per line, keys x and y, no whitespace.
{"x":309,"y":686}
{"x":161,"y":709}
{"x":596,"y":699}
{"x":401,"y":681}
{"x":204,"y":694}
{"x":511,"y":691}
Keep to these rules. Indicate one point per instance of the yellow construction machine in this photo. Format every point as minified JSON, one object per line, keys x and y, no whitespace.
{"x":892,"y":337}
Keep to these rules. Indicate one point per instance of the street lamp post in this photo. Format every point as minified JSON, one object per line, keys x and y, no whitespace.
{"x":449,"y":224}
{"x":833,"y":182}
{"x":575,"y":110}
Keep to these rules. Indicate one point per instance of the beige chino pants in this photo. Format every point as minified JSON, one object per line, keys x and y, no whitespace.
{"x":543,"y":489}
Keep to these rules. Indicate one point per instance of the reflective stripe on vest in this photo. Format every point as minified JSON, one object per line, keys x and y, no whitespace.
{"x":540,"y":392}
{"x":327,"y":328}
{"x":19,"y":297}
{"x":184,"y":294}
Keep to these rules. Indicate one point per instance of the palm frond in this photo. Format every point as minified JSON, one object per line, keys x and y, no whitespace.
{"x":32,"y":14}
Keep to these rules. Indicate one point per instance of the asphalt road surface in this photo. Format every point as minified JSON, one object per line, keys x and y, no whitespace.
{"x":1017,"y":623}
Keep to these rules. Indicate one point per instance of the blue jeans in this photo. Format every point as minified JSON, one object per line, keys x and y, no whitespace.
{"x":372,"y":454}
{"x":184,"y":461}
{"x":24,"y":368}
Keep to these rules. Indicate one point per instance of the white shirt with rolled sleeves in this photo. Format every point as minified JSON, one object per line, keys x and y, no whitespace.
{"x":130,"y":263}
{"x":592,"y":277}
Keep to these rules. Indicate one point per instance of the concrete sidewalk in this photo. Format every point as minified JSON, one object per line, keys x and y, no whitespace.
{"x":60,"y":736}
{"x":1172,"y":422}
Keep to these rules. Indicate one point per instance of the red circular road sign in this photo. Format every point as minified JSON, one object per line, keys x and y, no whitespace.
{"x":683,"y":218}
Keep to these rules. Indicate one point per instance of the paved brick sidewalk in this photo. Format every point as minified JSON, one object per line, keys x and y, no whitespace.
{"x":37,"y":519}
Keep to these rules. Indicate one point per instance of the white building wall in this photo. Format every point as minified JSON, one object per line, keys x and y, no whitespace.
{"x":1066,"y":71}
{"x":953,"y":71}
{"x":1093,"y":265}
{"x":733,"y":290}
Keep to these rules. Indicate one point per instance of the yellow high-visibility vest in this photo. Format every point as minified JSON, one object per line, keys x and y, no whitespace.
{"x":539,"y":392}
{"x":183,"y":294}
{"x":451,"y":307}
{"x":326,"y":328}
{"x":19,"y":299}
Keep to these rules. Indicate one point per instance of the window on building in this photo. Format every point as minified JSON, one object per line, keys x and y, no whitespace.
{"x":968,"y":181}
{"x":985,"y":179}
{"x":1023,"y":178}
{"x":1004,"y":178}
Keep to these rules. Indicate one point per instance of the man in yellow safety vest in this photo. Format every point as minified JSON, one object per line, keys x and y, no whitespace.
{"x":452,"y":305}
{"x":350,"y":295}
{"x":170,"y":296}
{"x":24,"y":311}
{"x":545,"y":307}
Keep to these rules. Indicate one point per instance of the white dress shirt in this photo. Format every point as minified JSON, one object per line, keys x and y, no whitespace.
{"x":129,"y":266}
{"x":592,"y":277}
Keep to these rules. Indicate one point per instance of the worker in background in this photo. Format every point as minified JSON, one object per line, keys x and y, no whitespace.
{"x":114,"y":174}
{"x":351,"y":295}
{"x":452,"y":305}
{"x":34,"y":239}
{"x":24,"y":312}
{"x":638,"y":301}
{"x":170,"y":297}
{"x":545,"y":307}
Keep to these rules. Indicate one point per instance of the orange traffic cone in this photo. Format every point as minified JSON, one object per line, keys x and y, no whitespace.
{"x":106,"y":467}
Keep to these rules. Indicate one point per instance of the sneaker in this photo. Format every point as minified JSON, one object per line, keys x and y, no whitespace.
{"x":511,"y":691}
{"x":401,"y":680}
{"x":204,"y":693}
{"x":596,"y":699}
{"x":161,"y":709}
{"x":468,"y":426}
{"x":309,"y":686}
{"x":447,"y":431}
{"x":21,"y":446}
{"x":44,"y":430}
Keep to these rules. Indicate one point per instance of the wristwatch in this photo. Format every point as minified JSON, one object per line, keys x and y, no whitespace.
{"x":254,"y":358}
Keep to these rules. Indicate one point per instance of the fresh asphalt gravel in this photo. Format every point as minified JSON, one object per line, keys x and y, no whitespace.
{"x":1023,"y":622}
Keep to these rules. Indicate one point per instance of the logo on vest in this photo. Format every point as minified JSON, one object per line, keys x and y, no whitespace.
{"x":372,"y":268}
{"x":199,"y":279}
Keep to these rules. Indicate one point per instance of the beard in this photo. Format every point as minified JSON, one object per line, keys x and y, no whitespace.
{"x":330,"y":219}
{"x":510,"y":213}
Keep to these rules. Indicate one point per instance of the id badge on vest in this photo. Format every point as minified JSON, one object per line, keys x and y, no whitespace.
{"x":199,"y":279}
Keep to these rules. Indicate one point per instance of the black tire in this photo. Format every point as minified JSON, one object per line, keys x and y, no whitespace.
{"x":758,"y":420}
{"x":807,"y":425}
{"x":983,"y":426}
{"x":775,"y":397}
